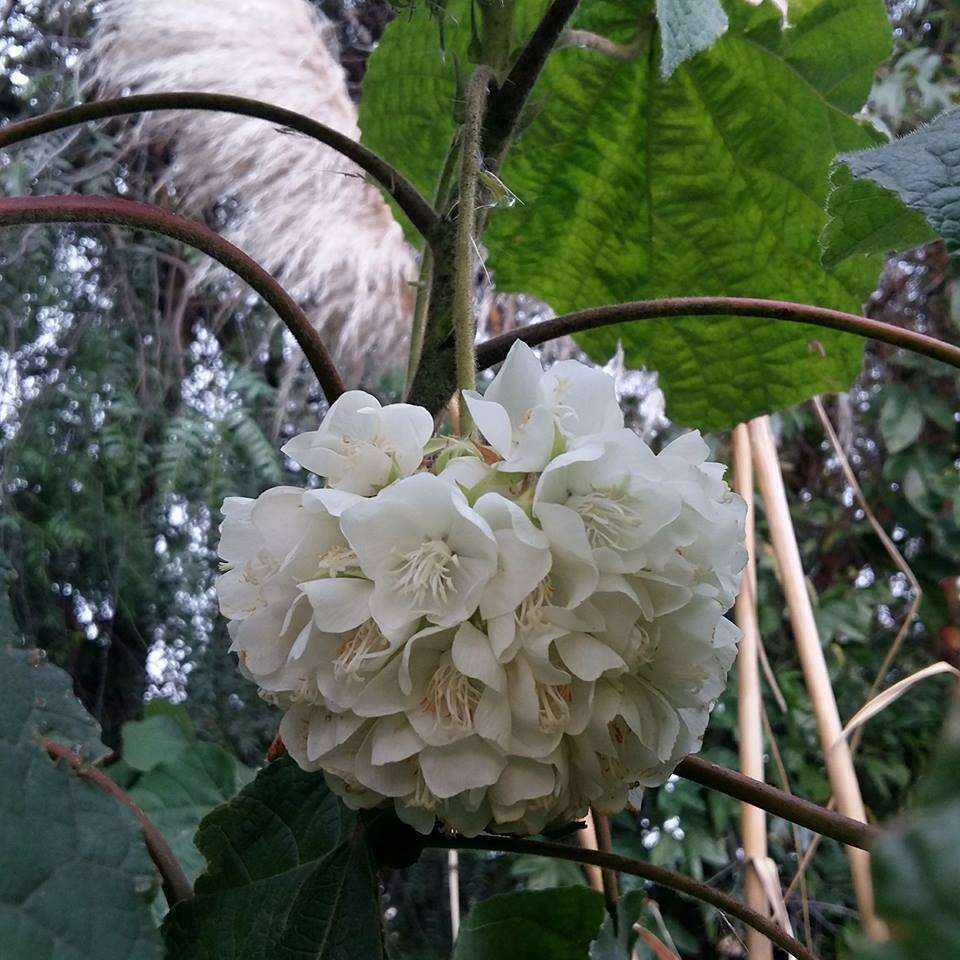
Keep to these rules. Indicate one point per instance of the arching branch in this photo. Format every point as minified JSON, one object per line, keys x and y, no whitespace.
{"x":128,"y":213}
{"x":778,"y":802}
{"x":407,"y":197}
{"x":176,"y":886}
{"x":637,"y":868}
{"x":493,"y":351}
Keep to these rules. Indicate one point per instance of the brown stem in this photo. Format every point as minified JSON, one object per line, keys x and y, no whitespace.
{"x":144,"y":216}
{"x":637,"y":868}
{"x":782,"y":804}
{"x":493,"y":351}
{"x":176,"y":886}
{"x":410,"y":201}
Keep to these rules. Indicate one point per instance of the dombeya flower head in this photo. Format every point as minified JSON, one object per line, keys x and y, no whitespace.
{"x":489,"y":636}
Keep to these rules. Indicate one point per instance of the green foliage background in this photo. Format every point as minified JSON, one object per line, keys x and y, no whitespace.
{"x":131,"y":404}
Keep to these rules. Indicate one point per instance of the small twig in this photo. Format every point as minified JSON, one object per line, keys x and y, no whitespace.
{"x":796,"y":809}
{"x":636,"y":868}
{"x":176,"y":886}
{"x":611,"y":890}
{"x":586,"y":40}
{"x":414,"y":205}
{"x":908,"y":619}
{"x":111,"y":210}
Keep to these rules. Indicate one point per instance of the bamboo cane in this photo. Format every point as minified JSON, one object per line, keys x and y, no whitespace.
{"x":837,"y":757}
{"x":753,"y":820}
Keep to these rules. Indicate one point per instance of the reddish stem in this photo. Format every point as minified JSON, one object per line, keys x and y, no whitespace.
{"x":128,"y":213}
{"x":493,"y":351}
{"x":413,"y":204}
{"x":176,"y":886}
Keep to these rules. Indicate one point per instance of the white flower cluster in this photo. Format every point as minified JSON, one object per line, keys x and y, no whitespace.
{"x":490,"y":635}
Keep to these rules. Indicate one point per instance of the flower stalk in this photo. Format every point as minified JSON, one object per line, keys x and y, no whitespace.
{"x":471,"y":162}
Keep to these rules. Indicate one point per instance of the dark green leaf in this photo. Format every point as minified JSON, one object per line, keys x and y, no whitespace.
{"x":901,"y":420}
{"x":618,"y":945}
{"x":686,"y":28}
{"x":545,"y":873}
{"x":179,"y":793}
{"x":158,"y":738}
{"x":559,"y":924}
{"x":898,"y":195}
{"x":865,"y":218}
{"x":288,"y":876}
{"x":76,"y":879}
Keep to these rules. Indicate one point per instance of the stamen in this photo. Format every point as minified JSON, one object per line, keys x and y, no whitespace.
{"x":529,"y":615}
{"x":553,"y":701}
{"x":368,"y":643}
{"x":610,"y":517}
{"x":335,"y":561}
{"x":422,"y":797}
{"x":307,"y":691}
{"x":452,"y":698}
{"x":426,"y":572}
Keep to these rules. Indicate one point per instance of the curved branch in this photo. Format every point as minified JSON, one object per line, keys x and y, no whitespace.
{"x":637,"y":868}
{"x":129,"y":213}
{"x":407,"y":197}
{"x":176,"y":886}
{"x":778,"y":802}
{"x":493,"y":351}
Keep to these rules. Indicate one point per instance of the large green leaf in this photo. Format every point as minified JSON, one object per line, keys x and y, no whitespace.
{"x":897,"y":196}
{"x":76,"y":879}
{"x":288,"y":876}
{"x":184,"y":778}
{"x":559,"y":924}
{"x":711,"y":182}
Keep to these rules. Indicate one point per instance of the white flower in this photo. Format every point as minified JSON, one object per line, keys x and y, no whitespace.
{"x":489,"y":645}
{"x":425,"y":551}
{"x":360,"y":446}
{"x":524,"y":408}
{"x":610,"y":488}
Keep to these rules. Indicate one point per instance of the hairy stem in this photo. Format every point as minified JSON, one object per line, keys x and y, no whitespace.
{"x":782,"y":804}
{"x":497,"y":34}
{"x":637,"y":868}
{"x":493,"y":351}
{"x":176,"y":886}
{"x":464,"y":320}
{"x":128,"y":213}
{"x":506,"y":107}
{"x":407,"y":197}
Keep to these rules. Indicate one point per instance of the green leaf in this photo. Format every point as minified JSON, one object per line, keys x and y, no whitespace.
{"x":898,"y":195}
{"x":712,"y":182}
{"x":546,"y":873}
{"x":559,"y":924}
{"x":76,"y":878}
{"x":686,"y":28}
{"x":288,"y":876}
{"x":865,"y":218}
{"x":901,"y":420}
{"x":177,"y":794}
{"x":618,"y":944}
{"x":160,"y":737}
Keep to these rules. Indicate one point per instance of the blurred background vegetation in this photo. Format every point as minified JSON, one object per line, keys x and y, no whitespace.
{"x":132,"y":402}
